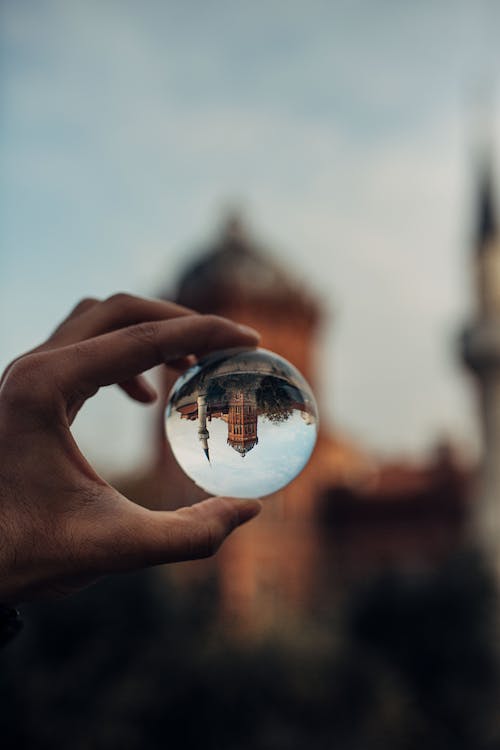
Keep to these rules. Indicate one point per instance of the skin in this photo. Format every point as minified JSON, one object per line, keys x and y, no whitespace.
{"x":61,"y":525}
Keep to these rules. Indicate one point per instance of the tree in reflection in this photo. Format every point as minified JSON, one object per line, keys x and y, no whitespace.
{"x":275,"y":399}
{"x":217,"y":393}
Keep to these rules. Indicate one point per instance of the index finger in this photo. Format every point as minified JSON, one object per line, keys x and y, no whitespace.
{"x":114,"y":357}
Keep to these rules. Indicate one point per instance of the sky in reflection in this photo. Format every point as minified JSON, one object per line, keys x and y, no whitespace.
{"x":281,"y":453}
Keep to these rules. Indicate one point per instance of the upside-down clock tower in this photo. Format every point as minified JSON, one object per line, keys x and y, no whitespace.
{"x":481,"y":351}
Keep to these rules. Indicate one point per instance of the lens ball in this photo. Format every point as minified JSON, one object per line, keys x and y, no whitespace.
{"x":242,"y":422}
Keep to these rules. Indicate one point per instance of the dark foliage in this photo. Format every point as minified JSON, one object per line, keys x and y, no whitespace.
{"x":134,"y":663}
{"x":274,"y":399}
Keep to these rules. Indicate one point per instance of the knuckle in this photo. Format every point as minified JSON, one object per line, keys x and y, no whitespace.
{"x":26,"y":369}
{"x":26,"y":380}
{"x":144,"y":332}
{"x":7,"y":370}
{"x":119,"y":301}
{"x":212,"y":531}
{"x":211,"y":540}
{"x":83,"y":304}
{"x":84,"y":350}
{"x":214,"y":323}
{"x":203,"y":536}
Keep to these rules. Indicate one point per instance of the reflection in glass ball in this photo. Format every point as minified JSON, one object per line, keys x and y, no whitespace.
{"x":242,"y":422}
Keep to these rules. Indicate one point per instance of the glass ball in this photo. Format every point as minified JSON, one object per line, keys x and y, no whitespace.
{"x":242,"y":422}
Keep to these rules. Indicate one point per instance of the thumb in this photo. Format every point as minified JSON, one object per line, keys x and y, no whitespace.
{"x":146,"y":537}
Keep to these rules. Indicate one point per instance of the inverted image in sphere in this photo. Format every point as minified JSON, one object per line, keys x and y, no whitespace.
{"x":242,"y":422}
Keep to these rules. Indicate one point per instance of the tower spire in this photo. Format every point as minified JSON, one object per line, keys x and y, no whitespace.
{"x":487,"y":221}
{"x":203,"y":433}
{"x":487,"y":241}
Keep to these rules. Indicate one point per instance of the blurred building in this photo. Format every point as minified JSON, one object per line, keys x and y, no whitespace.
{"x":271,"y":566}
{"x":345,"y":515}
{"x":407,"y":516}
{"x":481,"y":352}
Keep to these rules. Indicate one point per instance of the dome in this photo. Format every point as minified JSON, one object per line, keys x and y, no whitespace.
{"x":236,"y":272}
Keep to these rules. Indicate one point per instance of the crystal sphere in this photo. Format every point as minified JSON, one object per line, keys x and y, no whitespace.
{"x":242,"y":422}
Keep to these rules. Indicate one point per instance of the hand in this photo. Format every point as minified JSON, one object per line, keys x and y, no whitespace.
{"x":61,"y":525}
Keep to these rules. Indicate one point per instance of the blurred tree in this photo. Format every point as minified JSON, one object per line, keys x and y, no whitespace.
{"x":437,"y":631}
{"x":134,"y":663}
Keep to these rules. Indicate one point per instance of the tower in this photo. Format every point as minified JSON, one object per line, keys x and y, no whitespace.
{"x":481,"y":352}
{"x":242,"y":421}
{"x":272,"y":566}
{"x":203,"y":433}
{"x":238,"y":278}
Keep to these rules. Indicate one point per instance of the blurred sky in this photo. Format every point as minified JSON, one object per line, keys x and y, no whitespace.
{"x":343,"y":128}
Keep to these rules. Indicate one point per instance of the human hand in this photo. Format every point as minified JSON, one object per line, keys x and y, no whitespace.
{"x":61,"y":525}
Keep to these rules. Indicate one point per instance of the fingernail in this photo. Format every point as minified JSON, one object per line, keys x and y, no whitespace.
{"x":248,"y":331}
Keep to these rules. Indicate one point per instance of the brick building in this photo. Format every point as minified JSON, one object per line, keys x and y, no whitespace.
{"x":341,"y":517}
